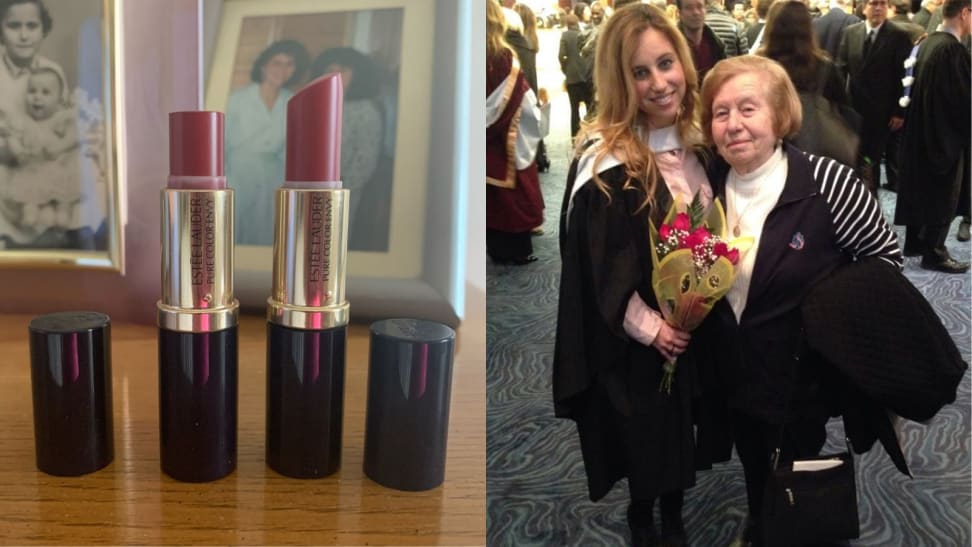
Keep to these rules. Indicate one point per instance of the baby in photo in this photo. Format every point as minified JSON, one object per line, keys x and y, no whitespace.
{"x":45,"y":181}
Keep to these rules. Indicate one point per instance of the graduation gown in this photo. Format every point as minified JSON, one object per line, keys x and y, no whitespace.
{"x":603,"y":380}
{"x":935,"y":144}
{"x":514,"y":203}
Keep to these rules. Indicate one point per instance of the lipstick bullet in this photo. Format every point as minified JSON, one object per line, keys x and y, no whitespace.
{"x":307,"y":313}
{"x":197,"y":314}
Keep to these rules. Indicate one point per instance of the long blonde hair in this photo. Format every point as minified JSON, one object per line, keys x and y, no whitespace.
{"x":619,"y":115}
{"x":495,"y":30}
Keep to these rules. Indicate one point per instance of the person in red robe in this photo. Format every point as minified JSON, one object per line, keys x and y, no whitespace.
{"x":514,"y":203}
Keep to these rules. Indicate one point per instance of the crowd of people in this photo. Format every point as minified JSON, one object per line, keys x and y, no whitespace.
{"x":783,"y":115}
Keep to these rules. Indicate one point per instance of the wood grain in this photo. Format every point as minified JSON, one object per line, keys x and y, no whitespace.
{"x":132,"y":502}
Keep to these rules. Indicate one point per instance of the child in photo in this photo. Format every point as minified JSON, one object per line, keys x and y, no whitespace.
{"x":46,"y":179}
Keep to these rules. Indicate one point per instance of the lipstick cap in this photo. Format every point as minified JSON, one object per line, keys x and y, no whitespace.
{"x":409,"y":384}
{"x":70,"y":369}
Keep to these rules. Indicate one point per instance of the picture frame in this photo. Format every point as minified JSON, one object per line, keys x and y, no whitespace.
{"x":159,"y":62}
{"x":420,"y":270}
{"x":60,"y":182}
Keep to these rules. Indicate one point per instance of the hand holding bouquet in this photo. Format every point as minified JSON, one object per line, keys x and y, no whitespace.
{"x":693,"y":267}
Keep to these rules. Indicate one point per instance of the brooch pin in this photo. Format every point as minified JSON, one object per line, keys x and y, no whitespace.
{"x":797,"y":241}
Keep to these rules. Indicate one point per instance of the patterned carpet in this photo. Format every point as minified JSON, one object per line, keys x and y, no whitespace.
{"x":536,"y":489}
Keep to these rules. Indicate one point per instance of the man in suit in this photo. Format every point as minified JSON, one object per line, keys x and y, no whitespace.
{"x":829,"y":28}
{"x":870,"y":58}
{"x":935,"y":148}
{"x":725,"y":27}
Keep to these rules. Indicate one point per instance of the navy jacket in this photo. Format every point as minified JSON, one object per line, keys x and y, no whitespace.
{"x":764,"y":352}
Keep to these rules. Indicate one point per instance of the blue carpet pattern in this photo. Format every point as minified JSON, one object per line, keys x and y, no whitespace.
{"x":536,"y":489}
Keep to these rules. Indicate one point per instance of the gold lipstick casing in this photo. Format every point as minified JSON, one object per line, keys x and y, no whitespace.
{"x":310,"y":255}
{"x":197,"y":261}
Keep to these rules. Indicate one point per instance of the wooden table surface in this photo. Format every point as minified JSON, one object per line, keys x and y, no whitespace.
{"x":131,"y":502}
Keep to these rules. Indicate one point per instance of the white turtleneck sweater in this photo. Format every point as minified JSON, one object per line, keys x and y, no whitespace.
{"x":749,"y":200}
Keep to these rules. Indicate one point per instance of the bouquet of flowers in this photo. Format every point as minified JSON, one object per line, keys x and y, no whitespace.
{"x":693,"y":266}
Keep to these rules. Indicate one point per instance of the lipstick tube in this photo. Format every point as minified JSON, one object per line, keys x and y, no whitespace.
{"x":307,"y":312}
{"x":197,"y":314}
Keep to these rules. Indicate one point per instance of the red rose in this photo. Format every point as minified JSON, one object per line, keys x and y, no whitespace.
{"x":720,"y":249}
{"x":733,"y":256}
{"x":664,"y":231}
{"x":702,"y":234}
{"x":682,"y":222}
{"x":696,"y":238}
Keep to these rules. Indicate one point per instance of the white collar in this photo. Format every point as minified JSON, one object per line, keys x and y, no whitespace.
{"x":585,"y":167}
{"x":869,"y":28}
{"x":16,"y":70}
{"x":663,"y":139}
{"x":944,"y":28}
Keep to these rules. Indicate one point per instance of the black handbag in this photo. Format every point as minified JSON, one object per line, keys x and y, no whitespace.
{"x":811,"y":501}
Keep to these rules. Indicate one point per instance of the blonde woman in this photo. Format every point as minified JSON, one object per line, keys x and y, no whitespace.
{"x":640,"y":152}
{"x":514,"y":204}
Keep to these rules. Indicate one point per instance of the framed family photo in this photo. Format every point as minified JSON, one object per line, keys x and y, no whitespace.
{"x":402,"y":223}
{"x":59,"y":176}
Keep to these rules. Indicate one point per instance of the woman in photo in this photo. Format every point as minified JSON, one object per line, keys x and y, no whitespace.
{"x":362,"y":131}
{"x":256,"y":131}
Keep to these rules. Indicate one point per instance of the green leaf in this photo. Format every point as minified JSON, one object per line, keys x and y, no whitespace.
{"x":696,"y":211}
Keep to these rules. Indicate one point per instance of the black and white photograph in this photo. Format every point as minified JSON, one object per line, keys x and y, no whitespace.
{"x":57,"y":168}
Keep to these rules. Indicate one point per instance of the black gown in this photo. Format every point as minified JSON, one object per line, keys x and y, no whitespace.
{"x":603,"y":380}
{"x":935,"y":141}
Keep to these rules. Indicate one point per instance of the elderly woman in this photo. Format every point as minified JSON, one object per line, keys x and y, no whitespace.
{"x":256,"y":120}
{"x":808,"y":215}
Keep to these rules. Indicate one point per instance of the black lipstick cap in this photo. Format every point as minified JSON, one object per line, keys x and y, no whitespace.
{"x":70,"y":373}
{"x":409,"y":384}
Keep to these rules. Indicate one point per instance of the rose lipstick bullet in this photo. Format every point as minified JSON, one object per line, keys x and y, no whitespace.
{"x":197,"y":315}
{"x":307,"y":312}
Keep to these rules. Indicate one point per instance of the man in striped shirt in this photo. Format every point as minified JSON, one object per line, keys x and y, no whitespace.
{"x":726,"y":29}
